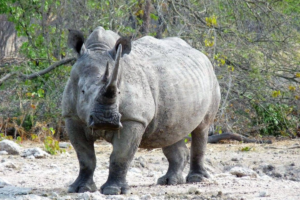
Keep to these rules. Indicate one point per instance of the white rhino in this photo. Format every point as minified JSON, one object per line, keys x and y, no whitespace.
{"x":149,"y":93}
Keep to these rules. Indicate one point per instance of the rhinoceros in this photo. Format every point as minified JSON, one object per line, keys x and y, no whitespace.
{"x":148,"y":93}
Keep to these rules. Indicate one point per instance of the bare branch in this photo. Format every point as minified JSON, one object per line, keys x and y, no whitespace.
{"x":50,"y":68}
{"x":233,"y":136}
{"x":294,"y":79}
{"x":7,"y":76}
{"x":39,"y":73}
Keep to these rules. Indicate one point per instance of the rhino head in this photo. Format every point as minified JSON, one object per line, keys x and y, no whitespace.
{"x":96,"y":78}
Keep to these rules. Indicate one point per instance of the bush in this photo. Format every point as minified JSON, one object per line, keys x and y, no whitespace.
{"x":274,"y":119}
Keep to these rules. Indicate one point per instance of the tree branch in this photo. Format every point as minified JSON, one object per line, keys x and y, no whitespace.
{"x":294,"y":79}
{"x":7,"y":76}
{"x":45,"y":71}
{"x":39,"y":73}
{"x":233,"y":136}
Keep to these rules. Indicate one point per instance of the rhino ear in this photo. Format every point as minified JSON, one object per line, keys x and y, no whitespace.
{"x":126,"y":47}
{"x":76,"y":40}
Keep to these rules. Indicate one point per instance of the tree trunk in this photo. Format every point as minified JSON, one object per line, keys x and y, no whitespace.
{"x":146,"y":18}
{"x":8,"y":38}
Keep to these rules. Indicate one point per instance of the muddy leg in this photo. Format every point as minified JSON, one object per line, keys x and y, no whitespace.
{"x":177,"y":155}
{"x":86,"y":157}
{"x":199,"y":141}
{"x":125,"y":145}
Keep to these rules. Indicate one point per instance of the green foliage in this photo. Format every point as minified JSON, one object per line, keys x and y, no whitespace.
{"x":28,"y":122}
{"x":3,"y":137}
{"x":274,"y":119}
{"x":246,"y":149}
{"x":186,"y":140}
{"x":52,"y":145}
{"x":19,"y":140}
{"x":253,"y":45}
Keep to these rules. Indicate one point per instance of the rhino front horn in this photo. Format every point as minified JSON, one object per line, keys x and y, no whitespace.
{"x":113,"y":80}
{"x":106,"y":74}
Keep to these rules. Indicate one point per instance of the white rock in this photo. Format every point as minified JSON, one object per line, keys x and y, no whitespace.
{"x":246,"y":177}
{"x":264,"y":194}
{"x":3,"y":153}
{"x":31,"y":197}
{"x":10,"y":147}
{"x":8,"y":165}
{"x":116,"y":197}
{"x":36,"y":152}
{"x":54,"y":194}
{"x":30,"y":157}
{"x":65,"y":198}
{"x":150,"y":174}
{"x":65,"y":154}
{"x":64,"y":145}
{"x":146,"y":197}
{"x":265,"y":177}
{"x":193,"y":190}
{"x":240,"y":172}
{"x":135,"y":170}
{"x":134,"y":197}
{"x":53,"y":166}
{"x":224,"y":175}
{"x":3,"y":182}
{"x":97,"y":196}
{"x":85,"y":196}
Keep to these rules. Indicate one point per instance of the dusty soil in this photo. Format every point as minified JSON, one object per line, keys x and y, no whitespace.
{"x":277,"y":168}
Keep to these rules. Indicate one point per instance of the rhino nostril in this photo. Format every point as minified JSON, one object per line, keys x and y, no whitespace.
{"x":91,"y":121}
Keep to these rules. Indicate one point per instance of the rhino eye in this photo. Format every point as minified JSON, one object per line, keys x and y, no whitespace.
{"x":82,"y":91}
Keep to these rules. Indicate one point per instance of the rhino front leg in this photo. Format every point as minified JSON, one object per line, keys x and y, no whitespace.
{"x":86,"y":156}
{"x":125,"y":145}
{"x":177,"y":155}
{"x":198,"y":147}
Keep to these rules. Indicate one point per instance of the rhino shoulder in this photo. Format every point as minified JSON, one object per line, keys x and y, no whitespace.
{"x":68,"y":101}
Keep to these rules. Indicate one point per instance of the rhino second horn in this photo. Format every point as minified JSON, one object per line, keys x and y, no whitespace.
{"x":82,"y":50}
{"x":114,"y":76}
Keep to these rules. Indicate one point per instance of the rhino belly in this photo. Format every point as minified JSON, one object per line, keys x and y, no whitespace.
{"x":166,"y":134}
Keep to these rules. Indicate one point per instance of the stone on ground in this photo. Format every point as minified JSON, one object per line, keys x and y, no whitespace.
{"x":10,"y":147}
{"x":36,"y":152}
{"x":241,"y":171}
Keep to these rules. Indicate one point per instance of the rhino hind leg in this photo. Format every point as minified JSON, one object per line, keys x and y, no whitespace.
{"x":177,"y":155}
{"x":199,"y":140}
{"x":86,"y":155}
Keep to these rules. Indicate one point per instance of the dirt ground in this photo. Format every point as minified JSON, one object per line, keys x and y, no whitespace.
{"x":275,"y":175}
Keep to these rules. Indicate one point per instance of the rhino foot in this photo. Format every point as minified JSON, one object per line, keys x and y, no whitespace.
{"x":170,"y":180}
{"x":114,"y":189}
{"x":81,"y":188}
{"x":196,"y":177}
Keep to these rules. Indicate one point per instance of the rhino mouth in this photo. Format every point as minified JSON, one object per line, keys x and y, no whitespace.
{"x":105,"y":119}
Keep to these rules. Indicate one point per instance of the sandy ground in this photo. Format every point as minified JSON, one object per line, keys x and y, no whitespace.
{"x":276,"y":174}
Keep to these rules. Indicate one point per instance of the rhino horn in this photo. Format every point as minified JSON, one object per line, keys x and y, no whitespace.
{"x":112,"y":83}
{"x":106,"y":73}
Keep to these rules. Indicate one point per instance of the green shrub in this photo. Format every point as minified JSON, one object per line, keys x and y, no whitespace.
{"x":273,"y":119}
{"x":51,"y":145}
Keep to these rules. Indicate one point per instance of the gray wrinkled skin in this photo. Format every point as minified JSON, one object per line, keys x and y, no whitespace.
{"x":161,"y":91}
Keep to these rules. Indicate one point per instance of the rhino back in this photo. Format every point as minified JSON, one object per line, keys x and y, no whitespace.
{"x":183,"y":88}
